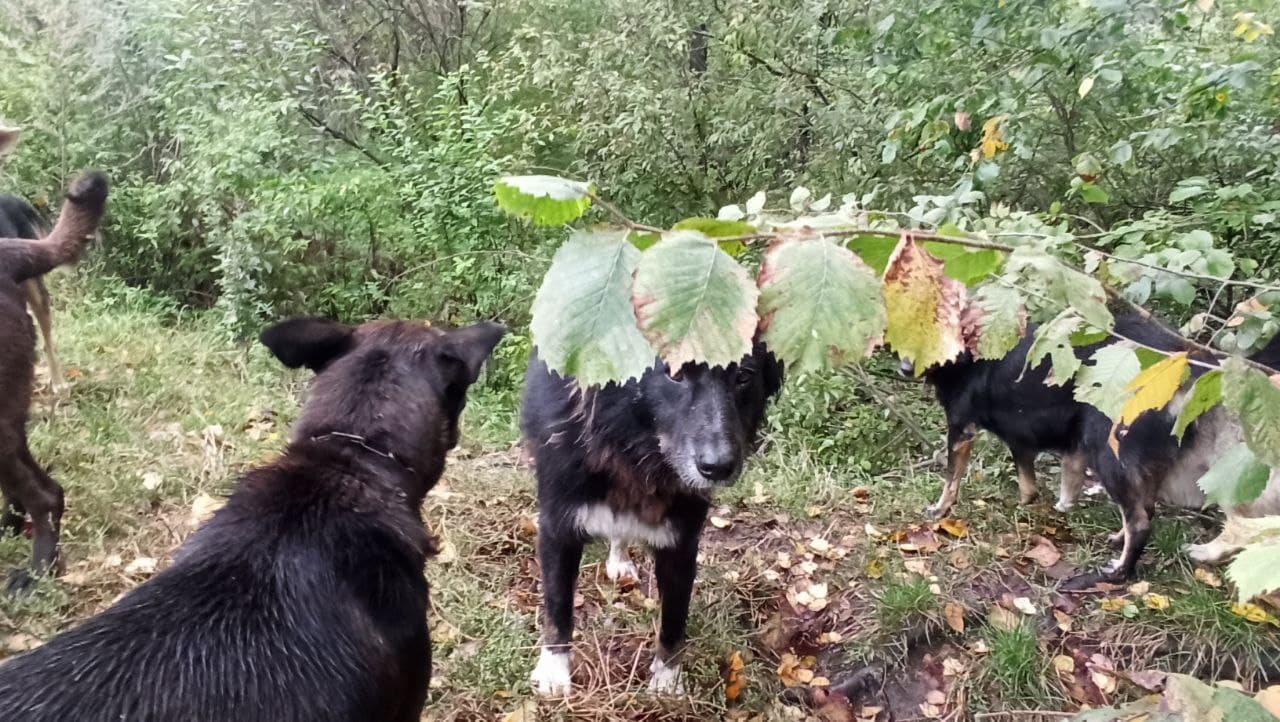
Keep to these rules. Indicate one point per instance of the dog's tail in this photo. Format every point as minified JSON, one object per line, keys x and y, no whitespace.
{"x":22,"y":259}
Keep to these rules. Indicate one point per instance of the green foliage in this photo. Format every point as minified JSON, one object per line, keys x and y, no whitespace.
{"x":819,"y":304}
{"x":1206,"y":394}
{"x":582,"y":315}
{"x":1236,"y":477}
{"x":544,"y":200}
{"x":1003,"y":320}
{"x":1185,"y":699}
{"x":1102,"y":382}
{"x":1249,"y":394}
{"x":693,"y":302}
{"x":1253,"y":570}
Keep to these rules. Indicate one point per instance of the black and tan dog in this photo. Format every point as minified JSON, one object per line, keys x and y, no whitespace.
{"x":635,"y":462}
{"x":303,"y":598}
{"x":27,"y":488}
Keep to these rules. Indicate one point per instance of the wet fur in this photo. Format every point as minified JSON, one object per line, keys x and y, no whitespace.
{"x":609,"y":462}
{"x":27,"y":488}
{"x":303,"y":598}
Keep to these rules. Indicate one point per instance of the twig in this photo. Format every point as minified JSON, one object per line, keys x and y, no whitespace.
{"x":1023,"y":713}
{"x":1184,"y":274}
{"x":925,"y":441}
{"x":622,"y":217}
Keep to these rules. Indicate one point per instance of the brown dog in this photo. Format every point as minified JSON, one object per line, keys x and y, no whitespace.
{"x":27,"y":489}
{"x":18,"y":220}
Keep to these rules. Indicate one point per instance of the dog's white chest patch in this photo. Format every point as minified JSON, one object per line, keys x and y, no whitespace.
{"x":601,"y":521}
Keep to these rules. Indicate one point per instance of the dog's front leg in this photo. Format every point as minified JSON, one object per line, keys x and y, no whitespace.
{"x":674,"y":568}
{"x":1024,"y":462}
{"x":559,"y":555}
{"x":959,"y":448}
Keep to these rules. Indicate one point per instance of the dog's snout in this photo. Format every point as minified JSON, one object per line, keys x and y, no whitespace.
{"x":716,"y":462}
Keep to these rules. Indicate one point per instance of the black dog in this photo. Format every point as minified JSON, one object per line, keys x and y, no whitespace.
{"x":635,"y":462}
{"x":303,"y":598}
{"x":27,"y":488}
{"x":1017,"y":405}
{"x":1153,"y":466}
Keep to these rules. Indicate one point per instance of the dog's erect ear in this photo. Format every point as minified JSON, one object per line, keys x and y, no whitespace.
{"x":466,"y":349}
{"x":310,"y":342}
{"x":8,"y":138}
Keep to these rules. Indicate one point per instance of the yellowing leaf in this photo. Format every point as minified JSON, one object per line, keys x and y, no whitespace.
{"x":924,"y":307}
{"x":1154,"y":387}
{"x":955,"y":527}
{"x":1208,"y":577}
{"x":875,"y":569}
{"x":1113,"y":604}
{"x":1156,"y":601}
{"x":1253,"y":613}
{"x":993,"y":136}
{"x":1064,"y":664}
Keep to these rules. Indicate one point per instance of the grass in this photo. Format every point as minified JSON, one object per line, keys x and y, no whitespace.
{"x":162,"y":396}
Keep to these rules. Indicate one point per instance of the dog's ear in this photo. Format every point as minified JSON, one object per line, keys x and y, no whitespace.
{"x":310,"y":342}
{"x":463,"y":351}
{"x":771,"y":368}
{"x":8,"y":138}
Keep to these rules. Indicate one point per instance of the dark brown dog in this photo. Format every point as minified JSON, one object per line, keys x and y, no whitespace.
{"x":27,"y":489}
{"x":303,"y":598}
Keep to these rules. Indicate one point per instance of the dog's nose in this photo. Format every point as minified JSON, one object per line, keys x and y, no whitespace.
{"x":715,"y":467}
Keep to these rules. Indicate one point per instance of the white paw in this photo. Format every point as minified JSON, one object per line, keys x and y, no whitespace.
{"x":621,"y":569}
{"x":1112,"y":566}
{"x":551,"y":677}
{"x":1211,"y":553}
{"x":665,"y":678}
{"x":1064,"y":504}
{"x":619,"y":564}
{"x":1094,"y":490}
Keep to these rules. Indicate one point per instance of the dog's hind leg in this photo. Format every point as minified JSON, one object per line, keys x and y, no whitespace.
{"x":675,"y":569}
{"x":1024,"y":461}
{"x":1072,"y":480}
{"x":959,"y":448}
{"x":41,"y":307}
{"x":559,"y":555}
{"x":619,"y":565}
{"x":42,"y":498}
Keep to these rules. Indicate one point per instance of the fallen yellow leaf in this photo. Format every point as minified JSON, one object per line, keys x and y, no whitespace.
{"x":1254,"y":613}
{"x":954,"y":614}
{"x":1156,"y":601}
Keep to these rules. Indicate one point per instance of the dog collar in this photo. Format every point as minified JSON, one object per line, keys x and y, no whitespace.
{"x":363,"y":443}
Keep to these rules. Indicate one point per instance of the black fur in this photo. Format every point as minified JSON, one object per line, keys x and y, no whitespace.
{"x":652,"y":448}
{"x":303,"y":598}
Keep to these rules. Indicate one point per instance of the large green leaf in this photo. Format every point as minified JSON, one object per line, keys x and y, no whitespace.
{"x":543,"y":199}
{"x":923,"y":306}
{"x":1254,"y":570}
{"x":820,"y":306}
{"x":694,"y":302}
{"x":1102,"y":383}
{"x":1063,"y":287}
{"x":1205,"y":395}
{"x":1255,"y":399}
{"x":1236,"y":477}
{"x":583,"y":323}
{"x":1001,"y":320}
{"x":1053,"y":339}
{"x":971,"y":267}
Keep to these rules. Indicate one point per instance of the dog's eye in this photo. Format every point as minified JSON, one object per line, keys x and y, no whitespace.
{"x":745,"y":375}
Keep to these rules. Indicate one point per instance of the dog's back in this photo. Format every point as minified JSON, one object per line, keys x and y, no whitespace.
{"x":274,"y":611}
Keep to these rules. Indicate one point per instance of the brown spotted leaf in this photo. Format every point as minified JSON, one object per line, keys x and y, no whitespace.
{"x":924,"y":307}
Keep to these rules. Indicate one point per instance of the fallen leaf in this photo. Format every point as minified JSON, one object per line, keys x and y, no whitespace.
{"x":1253,"y":613}
{"x":1024,"y":605}
{"x":1103,"y":681}
{"x":1139,"y":588}
{"x":955,"y":527}
{"x":1151,"y":680}
{"x":917,"y":565}
{"x":151,"y":481}
{"x":1063,"y":619}
{"x":819,"y":682}
{"x":1156,"y":601}
{"x":960,"y":559}
{"x":1064,"y":664}
{"x":930,"y":711}
{"x":720,"y":522}
{"x":1270,"y":699}
{"x":526,"y":712}
{"x":141,"y":565}
{"x":1208,"y":577}
{"x":924,"y":541}
{"x":1043,"y":552}
{"x":1113,"y":604}
{"x":954,"y":614}
{"x":204,"y":507}
{"x":875,"y":569}
{"x":734,"y":680}
{"x":758,"y":496}
{"x":1001,"y":618}
{"x":935,"y":696}
{"x":952,"y":667}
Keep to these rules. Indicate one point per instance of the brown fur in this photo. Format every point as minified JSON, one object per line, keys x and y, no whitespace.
{"x":26,"y":486}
